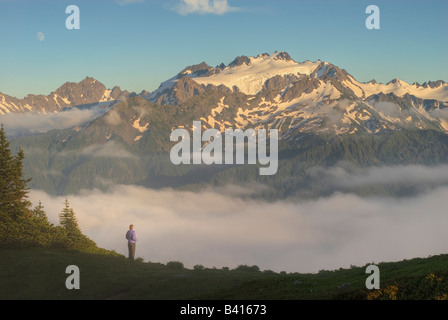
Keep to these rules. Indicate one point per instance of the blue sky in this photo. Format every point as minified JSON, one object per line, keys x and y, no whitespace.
{"x":137,"y":44}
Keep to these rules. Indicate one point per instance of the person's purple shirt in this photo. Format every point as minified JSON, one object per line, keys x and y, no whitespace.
{"x":130,"y":235}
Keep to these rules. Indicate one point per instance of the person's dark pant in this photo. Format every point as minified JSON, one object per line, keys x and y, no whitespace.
{"x":131,"y":247}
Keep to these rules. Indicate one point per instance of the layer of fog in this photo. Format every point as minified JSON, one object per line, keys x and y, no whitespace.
{"x":344,"y":174}
{"x":18,"y":124}
{"x":216,"y":228}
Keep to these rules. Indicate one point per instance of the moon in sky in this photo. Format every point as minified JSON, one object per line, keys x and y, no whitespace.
{"x":40,"y":36}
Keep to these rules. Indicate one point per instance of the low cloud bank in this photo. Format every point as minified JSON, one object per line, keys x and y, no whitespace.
{"x":215,"y":228}
{"x":17,"y":124}
{"x":344,"y":174}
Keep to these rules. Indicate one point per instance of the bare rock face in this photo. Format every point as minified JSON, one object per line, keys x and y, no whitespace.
{"x":87,"y":91}
{"x":239,"y":61}
{"x":196,"y":70}
{"x":184,"y":89}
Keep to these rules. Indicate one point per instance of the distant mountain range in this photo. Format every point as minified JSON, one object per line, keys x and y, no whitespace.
{"x":85,"y":93}
{"x":275,"y":91}
{"x":323,"y":115}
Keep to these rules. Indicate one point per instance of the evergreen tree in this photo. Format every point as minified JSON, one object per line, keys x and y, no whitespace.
{"x":39,"y":212}
{"x":68,"y":220}
{"x":75,"y":238}
{"x":5,"y":172}
{"x":13,"y":189}
{"x":19,"y":225}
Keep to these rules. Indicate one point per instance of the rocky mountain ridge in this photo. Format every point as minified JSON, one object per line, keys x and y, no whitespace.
{"x":71,"y":94}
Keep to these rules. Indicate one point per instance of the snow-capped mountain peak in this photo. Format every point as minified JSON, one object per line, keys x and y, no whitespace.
{"x":246,"y":74}
{"x":250,"y":76}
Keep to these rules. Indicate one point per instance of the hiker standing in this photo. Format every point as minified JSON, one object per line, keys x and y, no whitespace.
{"x":132,"y":239}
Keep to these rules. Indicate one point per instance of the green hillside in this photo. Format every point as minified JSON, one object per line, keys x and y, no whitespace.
{"x":39,"y":273}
